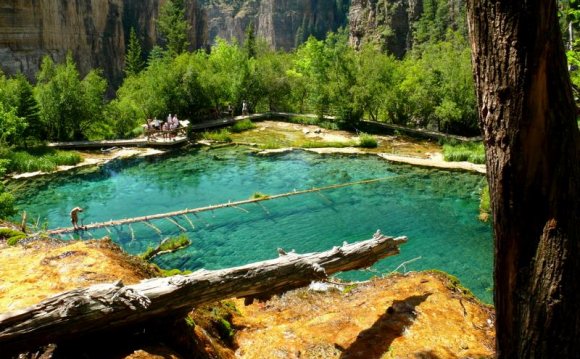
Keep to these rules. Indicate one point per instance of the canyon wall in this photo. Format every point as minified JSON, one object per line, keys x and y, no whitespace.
{"x":96,"y":32}
{"x":387,"y":23}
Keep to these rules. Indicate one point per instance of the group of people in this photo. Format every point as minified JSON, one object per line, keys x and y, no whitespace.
{"x":172,"y":123}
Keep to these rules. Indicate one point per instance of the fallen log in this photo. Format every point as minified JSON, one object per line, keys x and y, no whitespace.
{"x":109,"y":307}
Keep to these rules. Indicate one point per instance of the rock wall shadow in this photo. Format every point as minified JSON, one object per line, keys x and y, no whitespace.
{"x":375,"y":341}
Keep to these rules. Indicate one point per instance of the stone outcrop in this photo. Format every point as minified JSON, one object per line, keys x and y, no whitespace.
{"x":96,"y":31}
{"x":387,"y":23}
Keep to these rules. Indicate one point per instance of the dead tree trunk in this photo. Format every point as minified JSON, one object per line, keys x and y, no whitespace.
{"x":532,"y":141}
{"x":107,"y":307}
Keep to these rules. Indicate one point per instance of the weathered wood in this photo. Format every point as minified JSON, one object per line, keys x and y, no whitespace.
{"x":146,"y":219}
{"x":105,"y":307}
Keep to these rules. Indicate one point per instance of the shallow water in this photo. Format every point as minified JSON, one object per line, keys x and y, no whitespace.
{"x":437,"y":210}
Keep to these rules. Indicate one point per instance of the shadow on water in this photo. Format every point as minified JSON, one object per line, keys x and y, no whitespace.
{"x":375,"y":341}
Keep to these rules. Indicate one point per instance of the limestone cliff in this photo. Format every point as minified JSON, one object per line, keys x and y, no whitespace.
{"x":387,"y":23}
{"x":96,"y":31}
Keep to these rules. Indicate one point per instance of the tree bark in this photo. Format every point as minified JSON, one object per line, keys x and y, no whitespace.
{"x":528,"y":118}
{"x":107,"y":307}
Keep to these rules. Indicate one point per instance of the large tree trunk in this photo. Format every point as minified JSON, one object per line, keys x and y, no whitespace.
{"x":108,"y":307}
{"x":527,"y":114}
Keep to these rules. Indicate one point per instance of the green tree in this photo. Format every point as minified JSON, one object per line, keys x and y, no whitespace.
{"x":173,"y":26}
{"x":69,"y":107}
{"x":134,"y":57}
{"x":250,"y":41}
{"x":12,"y":125}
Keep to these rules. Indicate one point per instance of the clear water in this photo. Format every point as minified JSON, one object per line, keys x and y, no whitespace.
{"x":437,"y":210}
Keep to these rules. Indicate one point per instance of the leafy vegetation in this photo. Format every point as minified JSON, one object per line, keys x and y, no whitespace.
{"x":367,"y":141}
{"x":222,"y":135}
{"x":11,"y":236}
{"x":473,"y":152}
{"x":484,"y":204}
{"x":242,"y":125}
{"x":259,"y":195}
{"x":167,"y":245}
{"x":40,"y":159}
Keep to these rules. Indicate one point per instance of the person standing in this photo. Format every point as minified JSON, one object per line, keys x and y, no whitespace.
{"x":74,"y":217}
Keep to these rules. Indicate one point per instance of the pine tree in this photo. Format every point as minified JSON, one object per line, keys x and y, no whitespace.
{"x":250,"y":41}
{"x":173,"y":26}
{"x":134,"y":57}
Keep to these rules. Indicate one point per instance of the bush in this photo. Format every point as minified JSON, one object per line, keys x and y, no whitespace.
{"x":7,"y":208}
{"x":11,"y":236}
{"x":368,"y":141}
{"x":472,"y":152}
{"x":243,"y":125}
{"x":222,"y":135}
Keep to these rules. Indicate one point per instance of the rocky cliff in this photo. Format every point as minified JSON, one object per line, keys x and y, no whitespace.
{"x":283,"y":23}
{"x":96,"y":31}
{"x":387,"y":23}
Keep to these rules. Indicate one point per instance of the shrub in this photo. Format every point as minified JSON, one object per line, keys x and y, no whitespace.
{"x":368,"y":141}
{"x":7,"y":208}
{"x":243,"y":125}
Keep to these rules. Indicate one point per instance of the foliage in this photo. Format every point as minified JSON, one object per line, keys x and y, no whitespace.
{"x":222,"y":135}
{"x":168,"y":244}
{"x":367,"y":141}
{"x":484,"y":204}
{"x":173,"y":26}
{"x":7,"y":204}
{"x":242,"y":125}
{"x":259,"y":195}
{"x":470,"y":151}
{"x":11,"y":236}
{"x":40,"y":159}
{"x":134,"y":57}
{"x":323,"y":144}
{"x":69,"y":108}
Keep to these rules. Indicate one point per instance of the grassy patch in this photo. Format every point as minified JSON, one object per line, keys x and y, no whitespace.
{"x":270,"y":145}
{"x":11,"y":236}
{"x":368,"y":141}
{"x":472,"y":152}
{"x":222,"y":135}
{"x":242,"y":126}
{"x":323,"y":144}
{"x":41,"y":159}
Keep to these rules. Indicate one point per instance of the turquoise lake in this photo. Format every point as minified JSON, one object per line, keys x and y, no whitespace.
{"x":437,"y":210}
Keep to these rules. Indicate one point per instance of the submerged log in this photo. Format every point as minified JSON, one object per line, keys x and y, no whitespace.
{"x":146,"y":219}
{"x":110,"y":307}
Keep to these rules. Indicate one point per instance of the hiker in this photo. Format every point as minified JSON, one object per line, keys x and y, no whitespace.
{"x":74,"y":217}
{"x":245,"y":108}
